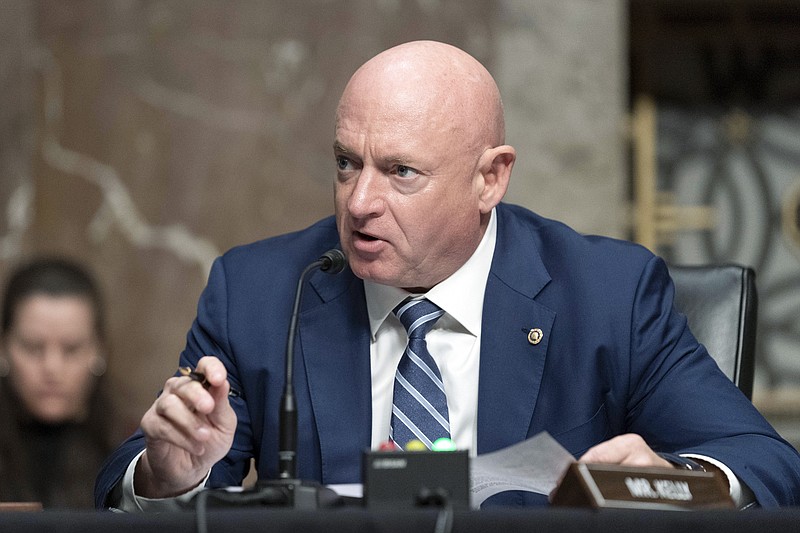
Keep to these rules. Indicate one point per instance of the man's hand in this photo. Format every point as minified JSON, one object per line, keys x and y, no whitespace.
{"x":629,"y":450}
{"x":187,"y":429}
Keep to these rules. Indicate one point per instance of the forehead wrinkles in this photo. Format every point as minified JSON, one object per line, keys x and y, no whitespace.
{"x":405,"y":120}
{"x":437,"y":92}
{"x":399,"y":120}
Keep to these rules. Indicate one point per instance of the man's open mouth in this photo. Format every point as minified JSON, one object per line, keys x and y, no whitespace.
{"x":365,"y":237}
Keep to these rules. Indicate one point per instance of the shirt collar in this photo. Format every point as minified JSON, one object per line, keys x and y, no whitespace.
{"x":460,"y":295}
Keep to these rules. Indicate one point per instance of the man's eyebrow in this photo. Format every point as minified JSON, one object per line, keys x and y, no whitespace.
{"x":339,"y":147}
{"x":398,"y":159}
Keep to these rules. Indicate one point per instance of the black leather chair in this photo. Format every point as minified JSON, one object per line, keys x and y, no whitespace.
{"x":720,"y":303}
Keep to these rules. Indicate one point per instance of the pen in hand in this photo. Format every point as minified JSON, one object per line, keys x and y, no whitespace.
{"x":201,"y":378}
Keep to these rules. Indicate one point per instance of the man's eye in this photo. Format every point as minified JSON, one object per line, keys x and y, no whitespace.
{"x":405,"y":172}
{"x":342,"y":162}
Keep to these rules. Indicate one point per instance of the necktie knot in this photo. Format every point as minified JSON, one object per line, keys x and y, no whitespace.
{"x":418,"y":316}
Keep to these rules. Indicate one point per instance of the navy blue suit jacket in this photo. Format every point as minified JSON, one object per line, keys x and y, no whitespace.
{"x":615,"y":358}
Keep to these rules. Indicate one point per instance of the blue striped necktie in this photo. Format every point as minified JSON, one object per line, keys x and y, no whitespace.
{"x":419,"y":407}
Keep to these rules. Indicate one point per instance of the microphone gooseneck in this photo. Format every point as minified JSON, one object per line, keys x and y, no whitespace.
{"x":332,"y":262}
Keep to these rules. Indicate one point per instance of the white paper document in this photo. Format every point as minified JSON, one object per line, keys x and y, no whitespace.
{"x":534,"y":465}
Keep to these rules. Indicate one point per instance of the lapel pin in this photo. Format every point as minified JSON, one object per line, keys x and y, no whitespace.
{"x":535,"y":336}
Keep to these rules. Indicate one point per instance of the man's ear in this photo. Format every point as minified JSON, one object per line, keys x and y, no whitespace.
{"x":495,"y":167}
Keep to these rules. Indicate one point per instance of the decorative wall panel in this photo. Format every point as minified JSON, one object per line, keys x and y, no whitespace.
{"x":145,"y":137}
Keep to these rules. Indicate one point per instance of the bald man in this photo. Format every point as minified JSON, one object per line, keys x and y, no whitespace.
{"x":541,"y":329}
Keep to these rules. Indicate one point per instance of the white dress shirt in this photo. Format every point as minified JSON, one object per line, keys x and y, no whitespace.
{"x":454,"y":343}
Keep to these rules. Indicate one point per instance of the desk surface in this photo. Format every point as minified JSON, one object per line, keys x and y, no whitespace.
{"x":415,"y":521}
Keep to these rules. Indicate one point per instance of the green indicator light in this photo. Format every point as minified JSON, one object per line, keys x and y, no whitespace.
{"x":443,"y":445}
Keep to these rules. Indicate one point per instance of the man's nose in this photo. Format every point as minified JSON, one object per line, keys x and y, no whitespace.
{"x":367,"y":197}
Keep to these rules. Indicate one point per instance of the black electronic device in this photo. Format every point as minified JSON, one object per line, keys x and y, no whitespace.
{"x":405,"y":479}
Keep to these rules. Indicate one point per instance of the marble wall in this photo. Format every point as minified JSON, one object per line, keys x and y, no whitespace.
{"x":145,"y":137}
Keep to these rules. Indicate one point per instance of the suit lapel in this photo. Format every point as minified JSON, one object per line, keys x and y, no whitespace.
{"x":334,"y":343}
{"x":515,"y":337}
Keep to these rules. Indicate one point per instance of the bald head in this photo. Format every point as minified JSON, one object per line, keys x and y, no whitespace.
{"x":441,"y":85}
{"x":421,"y":164}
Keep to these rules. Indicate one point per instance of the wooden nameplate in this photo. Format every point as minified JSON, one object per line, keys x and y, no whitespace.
{"x":602,"y":486}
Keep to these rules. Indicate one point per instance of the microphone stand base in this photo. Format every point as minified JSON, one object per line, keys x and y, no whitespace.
{"x":284,"y":493}
{"x":299,"y":494}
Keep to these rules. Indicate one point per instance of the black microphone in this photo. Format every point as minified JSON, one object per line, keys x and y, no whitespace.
{"x":333,"y":261}
{"x":288,"y":489}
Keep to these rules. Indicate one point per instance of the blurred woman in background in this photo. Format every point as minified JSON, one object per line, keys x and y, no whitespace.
{"x":55,"y":423}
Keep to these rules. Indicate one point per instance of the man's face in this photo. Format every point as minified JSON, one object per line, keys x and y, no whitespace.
{"x":406,"y":191}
